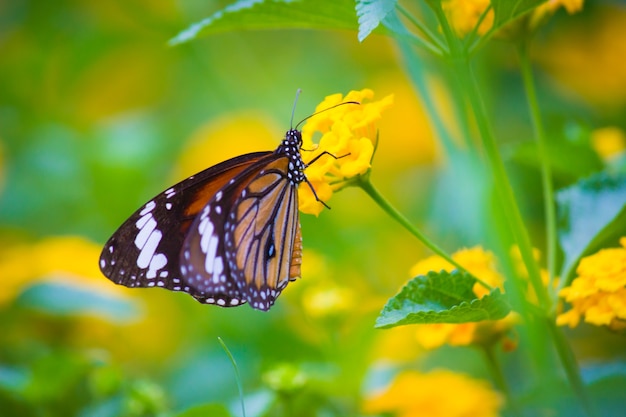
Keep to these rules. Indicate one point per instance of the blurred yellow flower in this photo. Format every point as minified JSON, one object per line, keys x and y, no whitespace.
{"x":608,"y":142}
{"x":226,"y":137}
{"x":547,"y":9}
{"x":324,"y":300}
{"x":62,"y":257}
{"x":463,"y":15}
{"x":586,"y":60}
{"x":348,"y":132}
{"x":482,"y":264}
{"x":598,"y":293}
{"x":439,"y":393}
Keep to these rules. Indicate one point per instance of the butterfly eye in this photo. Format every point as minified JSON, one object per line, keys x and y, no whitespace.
{"x":299,"y":136}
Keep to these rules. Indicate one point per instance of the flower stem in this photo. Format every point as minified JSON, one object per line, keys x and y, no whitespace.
{"x":365,"y":184}
{"x":546,"y":174}
{"x":431,"y":42}
{"x":502,"y":184}
{"x":498,"y":377}
{"x":572,"y":370}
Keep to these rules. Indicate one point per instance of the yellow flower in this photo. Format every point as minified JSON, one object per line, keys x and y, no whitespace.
{"x":348,"y":134}
{"x":226,"y":137}
{"x":608,"y":142}
{"x":64,"y":257}
{"x":463,"y":15}
{"x":439,"y":393}
{"x":482,"y":264}
{"x":586,"y":60}
{"x":598,"y":293}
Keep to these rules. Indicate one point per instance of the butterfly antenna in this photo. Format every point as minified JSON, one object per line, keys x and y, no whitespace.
{"x":293,"y":110}
{"x":322,"y":111}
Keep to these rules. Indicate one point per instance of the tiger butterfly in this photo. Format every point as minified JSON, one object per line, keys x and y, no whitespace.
{"x":227,"y":235}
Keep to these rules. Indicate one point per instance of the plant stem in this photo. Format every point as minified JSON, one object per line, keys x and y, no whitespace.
{"x":572,"y":370}
{"x":237,"y":375}
{"x":368,"y":187}
{"x":502,"y":184}
{"x":498,"y":376}
{"x":546,"y":174}
{"x":431,"y":41}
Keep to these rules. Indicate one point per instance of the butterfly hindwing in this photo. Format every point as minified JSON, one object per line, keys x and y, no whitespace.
{"x":262,"y":239}
{"x":144,"y":251}
{"x":244,"y":241}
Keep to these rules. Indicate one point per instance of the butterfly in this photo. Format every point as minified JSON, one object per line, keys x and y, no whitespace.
{"x":227,"y":235}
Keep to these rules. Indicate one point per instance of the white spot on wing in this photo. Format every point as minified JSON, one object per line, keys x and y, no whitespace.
{"x":150,"y":205}
{"x":143,"y":220}
{"x":145,"y":230}
{"x":206,"y":229}
{"x":146,"y":254}
{"x":211,"y":255}
{"x":218,"y":266}
{"x":157,"y":262}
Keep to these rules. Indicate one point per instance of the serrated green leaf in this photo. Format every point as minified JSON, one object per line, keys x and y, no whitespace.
{"x":506,"y":11}
{"x":441,"y":298}
{"x":274,"y":14}
{"x":591,"y":213}
{"x":370,"y":13}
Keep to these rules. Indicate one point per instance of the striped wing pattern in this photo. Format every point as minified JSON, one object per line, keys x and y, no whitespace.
{"x":227,"y":235}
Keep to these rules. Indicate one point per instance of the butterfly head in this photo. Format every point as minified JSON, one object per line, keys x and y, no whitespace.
{"x":293,"y":137}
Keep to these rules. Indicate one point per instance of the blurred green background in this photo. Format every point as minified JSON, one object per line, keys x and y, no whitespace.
{"x":98,"y":114}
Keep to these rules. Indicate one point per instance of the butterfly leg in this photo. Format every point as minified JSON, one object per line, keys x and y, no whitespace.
{"x":315,"y":194}
{"x":312,"y":161}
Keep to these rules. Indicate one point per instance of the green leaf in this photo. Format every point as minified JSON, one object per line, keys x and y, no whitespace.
{"x":370,"y":14}
{"x":205,"y":410}
{"x":506,"y":11}
{"x":274,"y":14}
{"x":441,"y":298}
{"x":591,"y":213}
{"x":62,"y":299}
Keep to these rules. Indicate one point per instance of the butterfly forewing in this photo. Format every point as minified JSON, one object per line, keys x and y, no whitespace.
{"x":144,"y":251}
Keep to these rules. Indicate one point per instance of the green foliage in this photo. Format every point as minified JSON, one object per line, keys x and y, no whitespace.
{"x":205,"y":410}
{"x":98,"y":115}
{"x":67,"y":300}
{"x":371,"y":13}
{"x":441,"y":298}
{"x":592,"y":213}
{"x":273,"y":14}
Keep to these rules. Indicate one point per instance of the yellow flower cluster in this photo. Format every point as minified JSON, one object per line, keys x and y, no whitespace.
{"x":599,"y":291}
{"x":439,"y":393}
{"x":544,"y":11}
{"x":482,"y":264}
{"x":463,"y":15}
{"x":349,"y":135}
